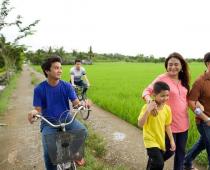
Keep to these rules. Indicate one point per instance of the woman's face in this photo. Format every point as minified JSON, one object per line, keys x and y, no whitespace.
{"x":174,"y":67}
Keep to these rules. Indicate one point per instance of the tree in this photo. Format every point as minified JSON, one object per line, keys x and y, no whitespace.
{"x":23,"y":30}
{"x":60,"y":51}
{"x":50,"y":51}
{"x":12,"y":56}
{"x":90,"y":53}
{"x":74,"y":53}
{"x":11,"y":52}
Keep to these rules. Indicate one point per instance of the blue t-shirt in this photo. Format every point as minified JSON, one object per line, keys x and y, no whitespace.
{"x":54,"y":100}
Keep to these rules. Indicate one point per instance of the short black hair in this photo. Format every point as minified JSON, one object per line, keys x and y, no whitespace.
{"x":77,"y":61}
{"x":46,"y":65}
{"x":160,"y":86}
{"x":206,"y":58}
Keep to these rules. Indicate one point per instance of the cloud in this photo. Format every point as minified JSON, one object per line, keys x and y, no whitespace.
{"x":119,"y":26}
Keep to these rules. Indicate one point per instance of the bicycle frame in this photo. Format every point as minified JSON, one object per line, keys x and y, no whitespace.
{"x":78,"y":90}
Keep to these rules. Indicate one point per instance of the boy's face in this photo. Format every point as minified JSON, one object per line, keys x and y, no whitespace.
{"x":162,"y":97}
{"x":78,"y":65}
{"x":55,"y":71}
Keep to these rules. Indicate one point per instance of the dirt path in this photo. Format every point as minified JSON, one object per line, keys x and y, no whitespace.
{"x":20,"y":142}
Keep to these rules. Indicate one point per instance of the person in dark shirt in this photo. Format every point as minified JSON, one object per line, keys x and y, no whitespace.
{"x":199,"y":102}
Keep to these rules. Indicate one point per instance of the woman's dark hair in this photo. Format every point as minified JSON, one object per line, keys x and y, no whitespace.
{"x":184,"y":75}
{"x":160,"y":86}
{"x":48,"y":63}
{"x":77,"y":61}
{"x":206,"y":58}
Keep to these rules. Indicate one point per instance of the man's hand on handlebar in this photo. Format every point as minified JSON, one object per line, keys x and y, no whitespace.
{"x":74,"y":85}
{"x":86,"y":103}
{"x":31,"y":115}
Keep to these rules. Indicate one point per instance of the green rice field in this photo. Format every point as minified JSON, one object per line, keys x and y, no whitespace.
{"x":117,"y":87}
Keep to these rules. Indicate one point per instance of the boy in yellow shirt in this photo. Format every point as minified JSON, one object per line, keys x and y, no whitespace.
{"x":155,"y":126}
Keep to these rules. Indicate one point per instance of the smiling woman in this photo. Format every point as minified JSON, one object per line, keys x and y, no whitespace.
{"x":177,"y":77}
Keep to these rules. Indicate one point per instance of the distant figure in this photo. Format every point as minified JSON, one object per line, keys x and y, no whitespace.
{"x":200,"y":93}
{"x":77,"y":73}
{"x":155,"y":127}
{"x":177,"y":77}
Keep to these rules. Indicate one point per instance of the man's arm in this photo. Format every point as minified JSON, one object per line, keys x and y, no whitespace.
{"x":193,"y":102}
{"x":72,"y":80}
{"x":86,"y":79}
{"x":76,"y":102}
{"x":199,"y":113}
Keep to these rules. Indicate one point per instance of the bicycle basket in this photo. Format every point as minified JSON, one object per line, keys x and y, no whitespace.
{"x":65,"y":146}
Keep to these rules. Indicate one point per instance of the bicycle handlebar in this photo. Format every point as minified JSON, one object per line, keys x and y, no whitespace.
{"x":39,"y":116}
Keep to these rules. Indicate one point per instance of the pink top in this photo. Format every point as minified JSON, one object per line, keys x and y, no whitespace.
{"x":177,"y":101}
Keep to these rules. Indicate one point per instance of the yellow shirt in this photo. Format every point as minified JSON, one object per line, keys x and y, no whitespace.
{"x":154,"y":127}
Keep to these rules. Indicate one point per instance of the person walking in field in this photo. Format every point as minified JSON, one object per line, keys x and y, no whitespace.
{"x":177,"y":77}
{"x":200,"y":93}
{"x":51,"y":98}
{"x":77,"y":73}
{"x":155,"y":127}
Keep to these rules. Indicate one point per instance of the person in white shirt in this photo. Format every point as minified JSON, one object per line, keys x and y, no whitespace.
{"x":77,"y":74}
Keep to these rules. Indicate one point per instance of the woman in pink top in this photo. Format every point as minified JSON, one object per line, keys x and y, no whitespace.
{"x":177,"y":77}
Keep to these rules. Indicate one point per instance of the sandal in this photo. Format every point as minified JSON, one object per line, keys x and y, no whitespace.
{"x":80,"y":162}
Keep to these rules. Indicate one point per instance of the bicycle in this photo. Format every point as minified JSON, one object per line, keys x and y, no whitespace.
{"x":79,"y":93}
{"x":65,"y":147}
{"x":82,"y":98}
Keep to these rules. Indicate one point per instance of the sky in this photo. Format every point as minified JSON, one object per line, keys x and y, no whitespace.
{"x":129,"y":27}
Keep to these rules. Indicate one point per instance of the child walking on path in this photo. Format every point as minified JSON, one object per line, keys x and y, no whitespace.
{"x":155,"y":127}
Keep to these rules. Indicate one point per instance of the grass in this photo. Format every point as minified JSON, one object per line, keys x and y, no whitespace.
{"x":95,"y":150}
{"x":116,"y":87}
{"x":7,"y":92}
{"x":34,"y":79}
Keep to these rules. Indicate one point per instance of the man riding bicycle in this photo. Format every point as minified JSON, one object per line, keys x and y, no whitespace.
{"x":51,"y":98}
{"x":77,"y":73}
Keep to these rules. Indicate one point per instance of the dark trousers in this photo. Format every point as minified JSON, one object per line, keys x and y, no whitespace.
{"x":180,"y":141}
{"x":156,"y":159}
{"x":83,"y":85}
{"x":202,"y":143}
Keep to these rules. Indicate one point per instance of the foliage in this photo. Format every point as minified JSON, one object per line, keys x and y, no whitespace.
{"x":69,"y":57}
{"x":6,"y":93}
{"x":12,"y":54}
